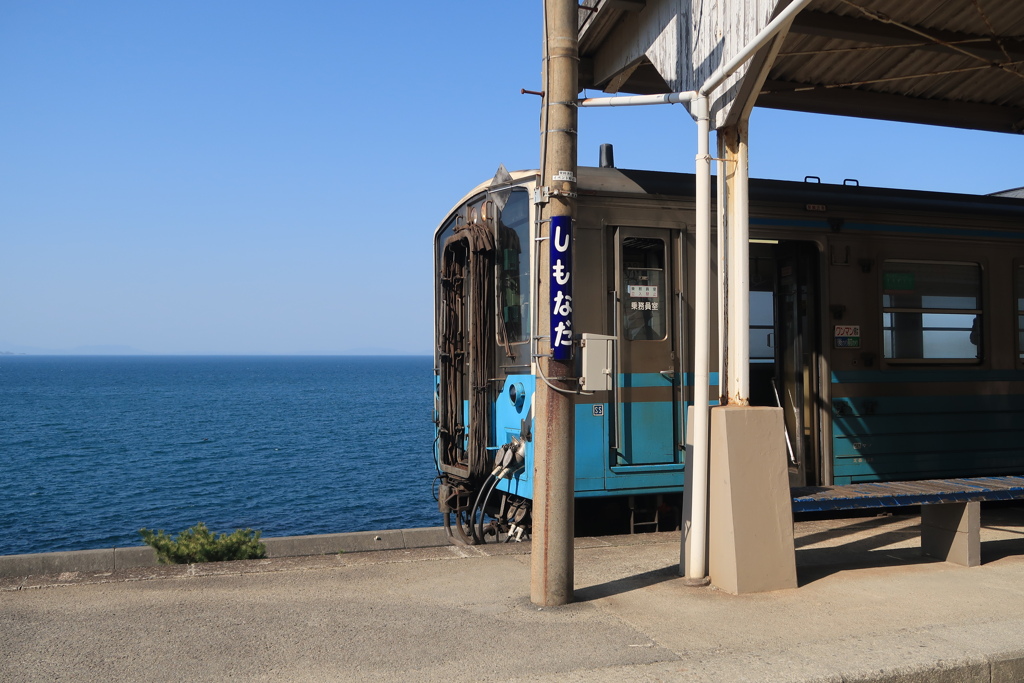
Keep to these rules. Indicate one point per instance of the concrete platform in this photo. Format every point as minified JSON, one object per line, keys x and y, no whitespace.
{"x":869,"y":607}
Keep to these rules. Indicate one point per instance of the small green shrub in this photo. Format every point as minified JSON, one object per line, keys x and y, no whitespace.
{"x":198,"y":544}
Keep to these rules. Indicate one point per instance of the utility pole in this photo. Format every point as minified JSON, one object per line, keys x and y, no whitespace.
{"x":551,"y":571}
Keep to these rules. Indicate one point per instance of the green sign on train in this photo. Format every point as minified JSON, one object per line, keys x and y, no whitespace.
{"x":898,"y":282}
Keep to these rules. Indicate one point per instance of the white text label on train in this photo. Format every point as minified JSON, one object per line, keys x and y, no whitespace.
{"x":643,"y":291}
{"x":560,"y":255}
{"x":847,"y":336}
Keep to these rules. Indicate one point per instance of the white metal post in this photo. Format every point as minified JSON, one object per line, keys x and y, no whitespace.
{"x":720,"y":233}
{"x":695,"y":561}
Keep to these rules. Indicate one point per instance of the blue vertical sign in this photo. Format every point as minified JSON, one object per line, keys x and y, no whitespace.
{"x":560,"y":258}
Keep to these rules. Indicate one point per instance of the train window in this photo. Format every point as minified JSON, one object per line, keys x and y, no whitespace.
{"x":514,"y":268}
{"x":1020,"y":312}
{"x":643,"y":262}
{"x":442,"y":237}
{"x":447,"y":231}
{"x":931,"y":310}
{"x":762,"y":327}
{"x":762,"y":306}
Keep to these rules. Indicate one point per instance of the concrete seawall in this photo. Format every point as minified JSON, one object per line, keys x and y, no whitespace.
{"x":116,"y":559}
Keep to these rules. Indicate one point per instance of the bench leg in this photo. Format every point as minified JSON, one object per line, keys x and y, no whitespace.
{"x":952,"y":532}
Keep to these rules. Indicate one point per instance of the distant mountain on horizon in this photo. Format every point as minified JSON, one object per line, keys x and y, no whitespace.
{"x":92,"y":350}
{"x":120,"y":350}
{"x":375,"y":351}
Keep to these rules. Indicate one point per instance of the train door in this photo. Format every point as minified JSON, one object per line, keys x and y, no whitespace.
{"x":785,"y":347}
{"x":796,"y":356}
{"x":645,"y":428}
{"x":465,"y":342}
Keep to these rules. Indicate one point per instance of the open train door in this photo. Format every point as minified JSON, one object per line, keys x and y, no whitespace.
{"x":785,"y":346}
{"x":796,"y":357}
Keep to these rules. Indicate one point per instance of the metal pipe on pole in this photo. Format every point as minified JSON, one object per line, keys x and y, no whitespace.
{"x":638,"y":100}
{"x":695,"y":561}
{"x":551,"y":568}
{"x":693,"y":544}
{"x":723,"y":320}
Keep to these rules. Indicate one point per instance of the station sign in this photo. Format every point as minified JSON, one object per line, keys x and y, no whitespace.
{"x":560,"y":258}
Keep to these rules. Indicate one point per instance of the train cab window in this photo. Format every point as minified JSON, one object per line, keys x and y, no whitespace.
{"x":513,"y":260}
{"x":643,"y":263}
{"x":931,"y":311}
{"x":442,"y":237}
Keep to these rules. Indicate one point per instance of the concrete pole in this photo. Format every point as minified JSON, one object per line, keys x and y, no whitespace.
{"x":551,"y":570}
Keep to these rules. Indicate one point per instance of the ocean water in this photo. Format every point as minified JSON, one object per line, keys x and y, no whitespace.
{"x":94,"y":448}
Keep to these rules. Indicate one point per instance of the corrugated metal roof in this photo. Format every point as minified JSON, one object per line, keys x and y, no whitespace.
{"x":954,"y":63}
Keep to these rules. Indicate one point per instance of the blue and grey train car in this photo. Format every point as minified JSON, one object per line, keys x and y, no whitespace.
{"x":888,"y":325}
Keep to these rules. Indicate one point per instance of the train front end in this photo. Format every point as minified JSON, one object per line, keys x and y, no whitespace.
{"x":484,"y":382}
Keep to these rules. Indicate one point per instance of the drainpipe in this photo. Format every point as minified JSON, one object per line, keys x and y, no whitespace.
{"x":693,"y":564}
{"x":696,"y":560}
{"x":723,"y":320}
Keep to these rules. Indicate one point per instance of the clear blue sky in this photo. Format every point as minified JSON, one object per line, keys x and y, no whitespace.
{"x":264,"y":177}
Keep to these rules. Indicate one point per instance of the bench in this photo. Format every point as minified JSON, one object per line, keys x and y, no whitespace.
{"x":950,"y":508}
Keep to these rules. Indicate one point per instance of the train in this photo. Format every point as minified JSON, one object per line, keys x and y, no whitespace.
{"x":887,"y":324}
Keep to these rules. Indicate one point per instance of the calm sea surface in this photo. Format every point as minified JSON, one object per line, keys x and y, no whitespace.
{"x":93,"y":448}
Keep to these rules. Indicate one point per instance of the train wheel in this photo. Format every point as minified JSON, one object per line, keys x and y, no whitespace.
{"x":456,"y":512}
{"x":459,"y":527}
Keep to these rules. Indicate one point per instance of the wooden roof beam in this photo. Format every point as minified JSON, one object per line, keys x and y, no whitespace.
{"x":875,"y":33}
{"x":874,"y":105}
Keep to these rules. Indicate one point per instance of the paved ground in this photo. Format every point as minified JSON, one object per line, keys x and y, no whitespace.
{"x":869,"y":607}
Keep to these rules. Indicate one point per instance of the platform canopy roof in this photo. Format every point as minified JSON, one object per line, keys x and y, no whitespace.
{"x":957,"y":63}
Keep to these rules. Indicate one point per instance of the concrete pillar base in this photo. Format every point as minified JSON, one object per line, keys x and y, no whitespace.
{"x":696,"y":583}
{"x":952,"y":532}
{"x":750,"y":548}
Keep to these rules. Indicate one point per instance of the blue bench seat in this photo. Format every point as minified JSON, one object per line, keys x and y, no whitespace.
{"x":950,"y":508}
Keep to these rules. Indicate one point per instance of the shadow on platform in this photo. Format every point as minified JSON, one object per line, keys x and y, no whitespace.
{"x":627,"y":584}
